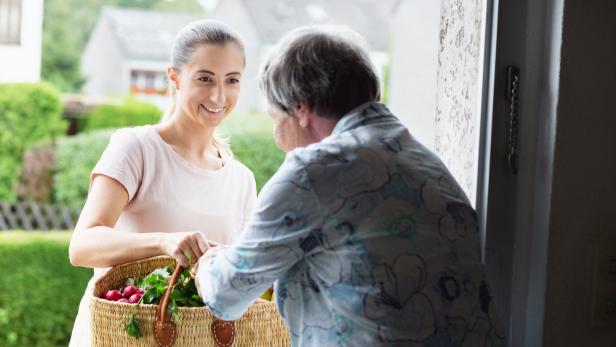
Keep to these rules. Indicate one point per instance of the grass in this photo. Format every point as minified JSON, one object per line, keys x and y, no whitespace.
{"x":39,"y":289}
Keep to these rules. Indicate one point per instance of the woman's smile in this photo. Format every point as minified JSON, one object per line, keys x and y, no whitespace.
{"x":213,"y":109}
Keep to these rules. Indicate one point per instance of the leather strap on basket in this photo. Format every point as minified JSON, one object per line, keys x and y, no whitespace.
{"x":164,"y":329}
{"x":223,"y":332}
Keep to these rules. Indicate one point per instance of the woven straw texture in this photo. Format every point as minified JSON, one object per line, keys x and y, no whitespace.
{"x":260,"y":325}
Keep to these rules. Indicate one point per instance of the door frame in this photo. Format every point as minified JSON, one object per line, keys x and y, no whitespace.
{"x":514,"y":210}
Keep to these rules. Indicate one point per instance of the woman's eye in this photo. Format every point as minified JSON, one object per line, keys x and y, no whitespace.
{"x":234,"y":81}
{"x":204,"y":79}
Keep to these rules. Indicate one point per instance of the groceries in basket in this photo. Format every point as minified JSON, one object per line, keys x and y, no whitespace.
{"x":150,"y":289}
{"x":169,"y":312}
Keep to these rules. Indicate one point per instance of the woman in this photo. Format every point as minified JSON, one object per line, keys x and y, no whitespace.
{"x":172,"y":188}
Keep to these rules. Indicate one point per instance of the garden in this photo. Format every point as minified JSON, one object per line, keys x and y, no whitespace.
{"x":39,"y":289}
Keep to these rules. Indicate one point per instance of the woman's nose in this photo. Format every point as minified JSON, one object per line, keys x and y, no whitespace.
{"x":218,"y":95}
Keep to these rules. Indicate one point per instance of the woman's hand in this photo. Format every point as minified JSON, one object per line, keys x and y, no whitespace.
{"x":186,"y":247}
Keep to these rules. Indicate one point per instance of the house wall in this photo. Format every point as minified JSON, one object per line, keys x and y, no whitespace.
{"x":22,"y":63}
{"x":458,"y":90}
{"x":102,"y":63}
{"x":233,"y":13}
{"x":413,"y":66}
{"x":161,"y":101}
{"x":584,"y":184}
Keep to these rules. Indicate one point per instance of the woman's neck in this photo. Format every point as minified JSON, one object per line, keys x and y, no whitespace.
{"x":193,"y":141}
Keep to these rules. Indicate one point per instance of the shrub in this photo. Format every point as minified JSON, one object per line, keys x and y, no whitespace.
{"x":39,"y":289}
{"x":36,"y":178}
{"x":74,"y":160}
{"x":28,"y":113}
{"x":131,"y":113}
{"x":258,"y":151}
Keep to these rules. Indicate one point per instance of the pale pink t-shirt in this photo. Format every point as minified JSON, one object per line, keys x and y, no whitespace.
{"x":169,"y":194}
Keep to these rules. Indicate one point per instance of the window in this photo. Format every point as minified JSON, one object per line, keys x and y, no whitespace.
{"x":148,"y":82}
{"x":10,"y":21}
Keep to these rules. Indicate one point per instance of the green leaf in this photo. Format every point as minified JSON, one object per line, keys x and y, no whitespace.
{"x":132,"y":327}
{"x":174,"y":311}
{"x":151,"y":296}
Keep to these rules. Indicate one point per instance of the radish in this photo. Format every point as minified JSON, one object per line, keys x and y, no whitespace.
{"x":134,"y":298}
{"x":123,"y":300}
{"x":129,"y":291}
{"x":113,"y":295}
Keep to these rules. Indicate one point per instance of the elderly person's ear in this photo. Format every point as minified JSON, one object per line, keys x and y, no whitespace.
{"x":303,"y":114}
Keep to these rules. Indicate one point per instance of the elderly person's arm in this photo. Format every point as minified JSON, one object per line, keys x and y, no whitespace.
{"x":280,"y":233}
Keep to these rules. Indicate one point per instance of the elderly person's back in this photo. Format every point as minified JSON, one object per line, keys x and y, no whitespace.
{"x":368,"y":238}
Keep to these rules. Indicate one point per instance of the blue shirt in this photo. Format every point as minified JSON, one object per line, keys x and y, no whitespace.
{"x":369,"y":241}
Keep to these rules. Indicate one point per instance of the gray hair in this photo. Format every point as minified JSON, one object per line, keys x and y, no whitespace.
{"x":186,"y":42}
{"x":327,"y":67}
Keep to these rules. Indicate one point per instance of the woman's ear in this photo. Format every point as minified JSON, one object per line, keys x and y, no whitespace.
{"x":173,"y":77}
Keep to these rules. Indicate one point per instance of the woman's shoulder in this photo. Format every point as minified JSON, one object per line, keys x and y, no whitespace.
{"x":130,"y":137}
{"x":240,"y":168}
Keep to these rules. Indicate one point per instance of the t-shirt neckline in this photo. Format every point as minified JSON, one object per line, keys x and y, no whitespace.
{"x":225,"y":159}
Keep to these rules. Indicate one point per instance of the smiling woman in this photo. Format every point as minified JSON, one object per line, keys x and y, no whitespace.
{"x":210,"y":86}
{"x":172,"y":188}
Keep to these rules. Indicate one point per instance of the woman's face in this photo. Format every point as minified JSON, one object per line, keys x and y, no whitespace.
{"x":208,"y":85}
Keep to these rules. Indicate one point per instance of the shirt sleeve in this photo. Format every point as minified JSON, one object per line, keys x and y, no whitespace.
{"x":122,"y":160}
{"x":278,"y":236}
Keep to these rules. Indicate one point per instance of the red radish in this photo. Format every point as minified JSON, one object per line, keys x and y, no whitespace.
{"x":129,"y":291}
{"x":113,"y":295}
{"x":140,"y":291}
{"x":124,"y":300}
{"x":134,"y":298}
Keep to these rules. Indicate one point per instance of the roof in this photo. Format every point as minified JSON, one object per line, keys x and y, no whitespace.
{"x":146,"y":34}
{"x":274,"y":18}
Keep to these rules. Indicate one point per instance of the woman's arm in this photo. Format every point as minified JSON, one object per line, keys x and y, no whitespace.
{"x":95,"y":243}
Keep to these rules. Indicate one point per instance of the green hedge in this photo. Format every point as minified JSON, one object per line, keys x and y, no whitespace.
{"x":39,"y":289}
{"x":257,"y":150}
{"x":28,"y":113}
{"x":131,"y":113}
{"x":76,"y":156}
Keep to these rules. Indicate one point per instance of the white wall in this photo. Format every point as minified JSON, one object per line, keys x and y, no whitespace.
{"x":233,"y":13}
{"x":22,"y":63}
{"x":412,"y":77}
{"x":101,"y":63}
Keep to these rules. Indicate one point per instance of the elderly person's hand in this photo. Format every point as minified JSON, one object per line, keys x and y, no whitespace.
{"x":209,"y":254}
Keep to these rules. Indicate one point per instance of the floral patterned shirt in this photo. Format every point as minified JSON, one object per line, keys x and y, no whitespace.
{"x":369,"y":241}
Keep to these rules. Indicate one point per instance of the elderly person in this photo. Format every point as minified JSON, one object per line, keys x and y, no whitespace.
{"x":365,"y":234}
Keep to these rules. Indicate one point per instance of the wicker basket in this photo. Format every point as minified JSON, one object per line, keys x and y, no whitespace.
{"x":260,"y":325}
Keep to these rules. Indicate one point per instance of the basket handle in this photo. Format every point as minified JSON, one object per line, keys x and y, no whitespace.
{"x":165,"y":330}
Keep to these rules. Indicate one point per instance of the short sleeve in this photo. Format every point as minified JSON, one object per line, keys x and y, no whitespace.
{"x":122,"y":160}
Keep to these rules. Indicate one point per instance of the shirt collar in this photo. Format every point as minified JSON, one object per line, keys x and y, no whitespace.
{"x":361,"y":115}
